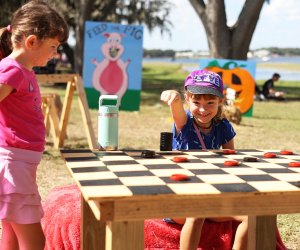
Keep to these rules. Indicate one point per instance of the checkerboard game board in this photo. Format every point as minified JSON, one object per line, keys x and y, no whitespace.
{"x":126,"y":173}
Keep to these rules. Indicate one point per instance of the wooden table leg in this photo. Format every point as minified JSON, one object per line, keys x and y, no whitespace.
{"x":124,"y":235}
{"x":262,"y":232}
{"x":92,"y":231}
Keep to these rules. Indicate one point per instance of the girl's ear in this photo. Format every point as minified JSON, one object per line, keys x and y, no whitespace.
{"x":221,"y":100}
{"x":186,"y":97}
{"x":31,"y":41}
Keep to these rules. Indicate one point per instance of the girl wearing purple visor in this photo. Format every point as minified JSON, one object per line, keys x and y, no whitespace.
{"x":202,"y":126}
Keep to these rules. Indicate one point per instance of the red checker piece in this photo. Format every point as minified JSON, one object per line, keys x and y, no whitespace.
{"x":180,"y":159}
{"x":179,"y":177}
{"x":231,"y":163}
{"x":229,"y":151}
{"x":286,"y":152}
{"x":294,"y":164}
{"x":269,"y":155}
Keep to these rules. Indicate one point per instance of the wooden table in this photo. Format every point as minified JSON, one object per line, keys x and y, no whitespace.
{"x":120,"y":189}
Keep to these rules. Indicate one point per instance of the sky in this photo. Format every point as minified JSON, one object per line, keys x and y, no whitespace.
{"x":278,"y":26}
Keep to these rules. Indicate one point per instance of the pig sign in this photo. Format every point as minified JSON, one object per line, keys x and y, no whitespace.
{"x":113,"y":63}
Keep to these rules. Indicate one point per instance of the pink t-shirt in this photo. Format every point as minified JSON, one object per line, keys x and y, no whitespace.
{"x":21,"y":117}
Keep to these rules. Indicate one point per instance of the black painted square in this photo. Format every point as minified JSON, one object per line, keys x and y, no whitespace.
{"x":237,"y":187}
{"x":162,"y":166}
{"x":257,"y":177}
{"x":89,"y":169}
{"x":77,"y":159}
{"x":104,"y":182}
{"x":150,"y":190}
{"x":133,"y":173}
{"x":124,"y":162}
{"x":207,"y":171}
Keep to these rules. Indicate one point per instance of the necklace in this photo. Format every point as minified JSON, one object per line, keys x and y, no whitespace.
{"x":198,"y":126}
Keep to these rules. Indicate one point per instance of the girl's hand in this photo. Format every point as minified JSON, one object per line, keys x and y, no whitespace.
{"x":170,"y":96}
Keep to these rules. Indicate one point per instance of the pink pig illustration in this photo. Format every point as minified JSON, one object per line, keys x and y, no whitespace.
{"x":110,"y":75}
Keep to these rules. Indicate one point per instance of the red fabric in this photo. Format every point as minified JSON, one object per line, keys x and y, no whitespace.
{"x":161,"y":235}
{"x":61,"y":225}
{"x":61,"y":222}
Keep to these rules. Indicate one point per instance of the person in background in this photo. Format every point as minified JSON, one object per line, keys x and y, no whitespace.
{"x":202,"y":126}
{"x":269,"y":90}
{"x":5,"y":45}
{"x":259,"y":94}
{"x":32,"y":39}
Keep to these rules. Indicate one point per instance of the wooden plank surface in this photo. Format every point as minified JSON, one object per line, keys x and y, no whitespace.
{"x":92,"y":231}
{"x":125,"y":235}
{"x":265,"y":237}
{"x":212,"y":206}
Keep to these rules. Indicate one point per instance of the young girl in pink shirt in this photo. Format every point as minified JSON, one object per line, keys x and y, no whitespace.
{"x":31,"y":40}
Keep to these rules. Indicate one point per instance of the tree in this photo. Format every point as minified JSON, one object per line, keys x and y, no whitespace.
{"x":224,"y":41}
{"x":152,"y":13}
{"x":230,"y":42}
{"x":6,"y":9}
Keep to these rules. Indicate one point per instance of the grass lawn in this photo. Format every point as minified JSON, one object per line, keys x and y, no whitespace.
{"x":274,"y":125}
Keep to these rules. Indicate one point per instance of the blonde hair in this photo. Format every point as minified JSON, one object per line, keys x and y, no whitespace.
{"x":33,"y":18}
{"x":220,"y":114}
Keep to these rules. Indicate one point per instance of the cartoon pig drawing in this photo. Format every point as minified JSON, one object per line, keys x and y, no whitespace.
{"x":110,"y":76}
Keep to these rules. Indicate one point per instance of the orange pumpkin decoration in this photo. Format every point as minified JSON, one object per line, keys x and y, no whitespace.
{"x":241,"y":81}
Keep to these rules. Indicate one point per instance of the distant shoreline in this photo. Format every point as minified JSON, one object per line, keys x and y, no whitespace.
{"x":287,"y":67}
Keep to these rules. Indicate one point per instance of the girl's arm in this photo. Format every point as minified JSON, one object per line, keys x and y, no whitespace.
{"x":229,"y":145}
{"x":172,"y":98}
{"x":5,"y":90}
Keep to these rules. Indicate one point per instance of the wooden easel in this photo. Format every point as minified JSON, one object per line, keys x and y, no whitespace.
{"x":59,"y":126}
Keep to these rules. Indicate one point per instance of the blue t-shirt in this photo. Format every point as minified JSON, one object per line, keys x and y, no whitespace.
{"x":187,"y":139}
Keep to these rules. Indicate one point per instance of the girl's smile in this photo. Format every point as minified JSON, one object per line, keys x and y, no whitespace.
{"x":204,"y":108}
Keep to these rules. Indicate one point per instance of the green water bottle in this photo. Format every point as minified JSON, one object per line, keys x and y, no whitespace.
{"x":108,"y":123}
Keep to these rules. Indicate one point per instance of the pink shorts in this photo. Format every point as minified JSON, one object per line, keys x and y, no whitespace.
{"x":20,"y":201}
